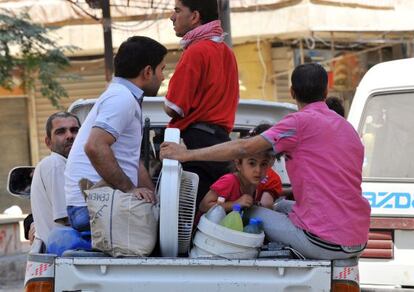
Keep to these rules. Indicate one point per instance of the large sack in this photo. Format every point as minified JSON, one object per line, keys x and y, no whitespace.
{"x":121,"y":224}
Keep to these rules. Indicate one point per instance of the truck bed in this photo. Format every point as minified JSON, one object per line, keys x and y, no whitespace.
{"x":185,"y":274}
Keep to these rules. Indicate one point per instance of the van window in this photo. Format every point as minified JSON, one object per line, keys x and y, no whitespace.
{"x":387,"y":131}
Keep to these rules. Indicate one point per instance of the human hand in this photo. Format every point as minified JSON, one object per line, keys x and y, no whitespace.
{"x":245,"y":201}
{"x":174,"y":151}
{"x":143,"y":194}
{"x":32,"y":233}
{"x":267,"y":200}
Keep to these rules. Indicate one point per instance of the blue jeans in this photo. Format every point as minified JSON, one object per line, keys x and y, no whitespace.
{"x":278,"y":227}
{"x":79,"y":218}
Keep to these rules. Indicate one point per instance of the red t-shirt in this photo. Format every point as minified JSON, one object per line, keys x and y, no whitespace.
{"x":271,"y":183}
{"x":205,"y":86}
{"x":228,"y":186}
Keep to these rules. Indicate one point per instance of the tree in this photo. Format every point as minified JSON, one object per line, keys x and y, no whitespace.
{"x":28,"y":48}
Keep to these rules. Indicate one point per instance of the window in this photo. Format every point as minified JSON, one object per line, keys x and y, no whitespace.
{"x":387,"y":131}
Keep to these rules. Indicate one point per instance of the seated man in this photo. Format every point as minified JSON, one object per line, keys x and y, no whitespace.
{"x":109,"y":143}
{"x":47,"y":190}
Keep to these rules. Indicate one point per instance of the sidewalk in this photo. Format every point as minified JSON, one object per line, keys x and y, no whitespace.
{"x":12,"y":270}
{"x":13,"y":253}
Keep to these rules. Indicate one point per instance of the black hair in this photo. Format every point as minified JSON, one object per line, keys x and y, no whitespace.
{"x":309,"y":82}
{"x":208,"y":9}
{"x":62,"y":115}
{"x":135,"y":54}
{"x":334,"y":103}
{"x":259,"y":129}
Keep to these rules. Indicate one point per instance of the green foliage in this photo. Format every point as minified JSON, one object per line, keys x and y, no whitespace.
{"x":28,"y":48}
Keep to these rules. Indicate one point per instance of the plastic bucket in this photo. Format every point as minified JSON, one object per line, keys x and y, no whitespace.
{"x":215,"y":240}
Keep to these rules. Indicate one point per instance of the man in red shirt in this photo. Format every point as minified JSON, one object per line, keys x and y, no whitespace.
{"x":203,"y":93}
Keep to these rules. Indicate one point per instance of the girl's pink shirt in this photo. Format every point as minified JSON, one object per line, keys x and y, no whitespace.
{"x":324,"y":163}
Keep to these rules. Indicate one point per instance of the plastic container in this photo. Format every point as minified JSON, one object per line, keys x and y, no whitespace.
{"x":66,"y":238}
{"x":233,"y":220}
{"x":214,"y":240}
{"x":260,"y":223}
{"x":217,"y":212}
{"x":252,"y":227}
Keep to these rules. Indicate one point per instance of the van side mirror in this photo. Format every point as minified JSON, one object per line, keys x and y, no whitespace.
{"x":20,"y":180}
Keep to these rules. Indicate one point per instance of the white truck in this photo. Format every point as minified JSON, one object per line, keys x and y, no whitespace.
{"x":89,"y":271}
{"x":382,"y":113}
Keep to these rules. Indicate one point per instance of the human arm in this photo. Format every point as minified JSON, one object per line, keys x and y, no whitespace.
{"x":31,"y":234}
{"x":145,"y":185}
{"x":269,"y":189}
{"x":220,"y":152}
{"x":267,"y":200}
{"x":170,"y":112}
{"x":144,"y":178}
{"x":53,"y":180}
{"x":27,"y":224}
{"x":210,"y":199}
{"x":98,"y":149}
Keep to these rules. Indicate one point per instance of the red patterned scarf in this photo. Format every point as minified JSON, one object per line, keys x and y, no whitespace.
{"x":210,"y":30}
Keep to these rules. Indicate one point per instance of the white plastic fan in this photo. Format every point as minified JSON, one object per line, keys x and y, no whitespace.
{"x":177,"y":195}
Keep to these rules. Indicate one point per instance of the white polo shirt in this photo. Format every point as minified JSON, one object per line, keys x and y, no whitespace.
{"x":47,"y":196}
{"x":117,"y":111}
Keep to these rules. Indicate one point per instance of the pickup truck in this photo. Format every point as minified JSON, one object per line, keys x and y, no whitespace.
{"x":93,"y":271}
{"x":381,"y":112}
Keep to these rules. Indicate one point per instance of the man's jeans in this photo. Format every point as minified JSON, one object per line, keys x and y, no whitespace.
{"x":79,"y":218}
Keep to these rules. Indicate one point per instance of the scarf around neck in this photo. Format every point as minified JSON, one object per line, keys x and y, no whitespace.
{"x":210,"y":31}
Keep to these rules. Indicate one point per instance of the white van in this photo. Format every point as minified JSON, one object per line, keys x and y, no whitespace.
{"x":383,"y":114}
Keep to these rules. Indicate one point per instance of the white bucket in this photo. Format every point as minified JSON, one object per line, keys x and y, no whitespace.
{"x":213,"y":240}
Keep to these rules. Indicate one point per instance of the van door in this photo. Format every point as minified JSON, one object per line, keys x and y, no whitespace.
{"x":387,"y":131}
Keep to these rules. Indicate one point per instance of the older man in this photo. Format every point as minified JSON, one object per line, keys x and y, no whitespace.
{"x":47,"y":190}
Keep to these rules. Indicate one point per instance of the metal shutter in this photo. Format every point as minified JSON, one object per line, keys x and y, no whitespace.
{"x":90,"y":84}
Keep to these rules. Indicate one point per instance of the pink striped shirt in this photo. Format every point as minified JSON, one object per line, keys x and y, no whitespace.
{"x":324,"y":163}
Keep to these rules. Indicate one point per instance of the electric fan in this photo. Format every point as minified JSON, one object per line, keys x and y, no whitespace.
{"x":177,"y":196}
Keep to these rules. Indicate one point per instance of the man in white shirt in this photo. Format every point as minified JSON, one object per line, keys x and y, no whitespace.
{"x":109,"y":143}
{"x":47,"y":190}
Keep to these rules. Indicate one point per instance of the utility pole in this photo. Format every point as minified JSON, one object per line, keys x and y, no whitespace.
{"x":107,"y":30}
{"x":224,"y":15}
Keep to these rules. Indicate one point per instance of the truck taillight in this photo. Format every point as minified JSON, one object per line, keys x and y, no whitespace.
{"x":40,"y":273}
{"x":345,"y":275}
{"x":345,"y":286}
{"x":44,"y":285}
{"x":380,"y":244}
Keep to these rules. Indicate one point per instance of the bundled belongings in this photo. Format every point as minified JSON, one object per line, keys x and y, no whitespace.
{"x":121,"y":224}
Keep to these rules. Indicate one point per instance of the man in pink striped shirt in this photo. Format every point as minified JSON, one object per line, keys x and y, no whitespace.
{"x":329,"y":218}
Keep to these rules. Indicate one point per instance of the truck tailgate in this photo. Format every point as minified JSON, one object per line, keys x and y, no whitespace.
{"x":183,"y":274}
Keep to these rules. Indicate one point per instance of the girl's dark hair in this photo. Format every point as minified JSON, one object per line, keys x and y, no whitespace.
{"x":334,"y":103}
{"x":260,"y":129}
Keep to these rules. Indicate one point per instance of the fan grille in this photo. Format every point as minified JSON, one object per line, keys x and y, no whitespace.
{"x":187,"y":201}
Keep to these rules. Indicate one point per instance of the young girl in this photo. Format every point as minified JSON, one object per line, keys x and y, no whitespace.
{"x":270,"y":188}
{"x":239,"y":187}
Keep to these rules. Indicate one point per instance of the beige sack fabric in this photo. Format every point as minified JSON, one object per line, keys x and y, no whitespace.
{"x":121,"y":225}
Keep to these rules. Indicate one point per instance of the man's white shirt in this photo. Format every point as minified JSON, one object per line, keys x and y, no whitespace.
{"x":118,"y":112}
{"x":47,"y":194}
